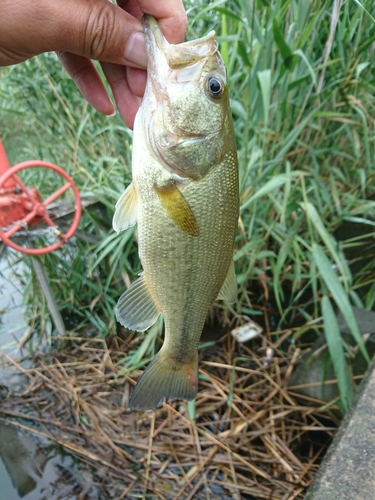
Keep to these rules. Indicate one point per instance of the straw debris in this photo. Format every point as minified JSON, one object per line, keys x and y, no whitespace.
{"x":247,"y":436}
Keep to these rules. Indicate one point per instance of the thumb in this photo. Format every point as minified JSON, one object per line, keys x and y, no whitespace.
{"x":94,"y":29}
{"x":101,"y":30}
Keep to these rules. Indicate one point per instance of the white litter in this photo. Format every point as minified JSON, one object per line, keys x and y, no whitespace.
{"x":246,"y":332}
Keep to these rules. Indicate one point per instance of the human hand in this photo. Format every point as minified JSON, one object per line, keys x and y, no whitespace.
{"x":82,"y":30}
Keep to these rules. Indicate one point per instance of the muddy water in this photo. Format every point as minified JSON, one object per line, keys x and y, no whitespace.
{"x":13,"y":323}
{"x":31,"y":468}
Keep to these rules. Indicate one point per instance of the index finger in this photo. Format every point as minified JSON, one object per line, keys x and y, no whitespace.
{"x":170,"y":15}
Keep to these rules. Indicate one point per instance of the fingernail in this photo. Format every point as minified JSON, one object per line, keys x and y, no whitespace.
{"x":135,"y":50}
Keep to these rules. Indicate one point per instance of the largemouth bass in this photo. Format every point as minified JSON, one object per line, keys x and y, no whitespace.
{"x":184,"y":197}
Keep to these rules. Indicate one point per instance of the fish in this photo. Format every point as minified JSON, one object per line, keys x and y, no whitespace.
{"x":184,"y":196}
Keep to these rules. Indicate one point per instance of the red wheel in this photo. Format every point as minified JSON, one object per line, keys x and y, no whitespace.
{"x":39,"y":208}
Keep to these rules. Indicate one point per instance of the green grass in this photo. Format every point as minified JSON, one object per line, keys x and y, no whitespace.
{"x":302,"y":91}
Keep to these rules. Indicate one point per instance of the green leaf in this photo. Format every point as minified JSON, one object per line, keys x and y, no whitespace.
{"x":224,"y":44}
{"x":283,"y":254}
{"x":314,"y":217}
{"x":284,"y":49}
{"x":242,"y":51}
{"x":336,"y":351}
{"x":191,"y":410}
{"x":264,"y":78}
{"x":334,"y":285}
{"x":238,"y":109}
{"x":263,"y":3}
{"x":367,"y":12}
{"x":360,"y":68}
{"x":272,"y":185}
{"x":302,"y":55}
{"x":228,"y":13}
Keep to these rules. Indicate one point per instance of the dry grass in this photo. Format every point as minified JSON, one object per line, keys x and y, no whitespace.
{"x":251,"y":438}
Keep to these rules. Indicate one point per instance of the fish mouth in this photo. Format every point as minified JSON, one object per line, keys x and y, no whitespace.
{"x":170,"y":64}
{"x":180,"y":55}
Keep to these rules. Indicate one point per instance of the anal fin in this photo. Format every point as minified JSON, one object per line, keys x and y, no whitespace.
{"x":228,"y":291}
{"x":177,"y":208}
{"x":126,"y":210}
{"x":136,"y":308}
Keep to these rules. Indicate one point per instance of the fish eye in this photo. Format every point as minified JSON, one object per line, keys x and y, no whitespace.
{"x":215,"y":87}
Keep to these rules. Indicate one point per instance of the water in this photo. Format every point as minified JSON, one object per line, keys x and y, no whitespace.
{"x":13,"y":324}
{"x":31,"y":468}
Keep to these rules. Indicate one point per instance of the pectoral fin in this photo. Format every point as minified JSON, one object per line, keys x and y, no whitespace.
{"x":126,"y":210}
{"x":178,"y":208}
{"x":228,"y":291}
{"x":136,"y":309}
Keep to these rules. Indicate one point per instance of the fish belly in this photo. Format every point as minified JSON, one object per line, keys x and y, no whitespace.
{"x":185,"y":273}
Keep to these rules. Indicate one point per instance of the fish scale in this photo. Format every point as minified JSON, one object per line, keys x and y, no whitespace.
{"x":184,"y":197}
{"x":199,"y":265}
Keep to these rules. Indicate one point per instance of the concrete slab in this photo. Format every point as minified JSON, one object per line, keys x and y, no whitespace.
{"x":348,"y":470}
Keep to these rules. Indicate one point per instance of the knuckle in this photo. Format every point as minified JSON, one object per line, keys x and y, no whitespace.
{"x":100,"y":27}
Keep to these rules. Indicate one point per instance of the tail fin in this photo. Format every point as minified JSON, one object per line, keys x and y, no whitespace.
{"x":165,"y":379}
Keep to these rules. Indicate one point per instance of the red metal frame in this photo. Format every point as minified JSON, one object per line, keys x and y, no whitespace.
{"x":38,"y":209}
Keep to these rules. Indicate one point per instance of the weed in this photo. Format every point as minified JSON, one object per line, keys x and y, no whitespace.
{"x":302,"y":94}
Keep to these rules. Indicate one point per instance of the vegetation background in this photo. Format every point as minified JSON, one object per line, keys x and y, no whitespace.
{"x":302,"y":90}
